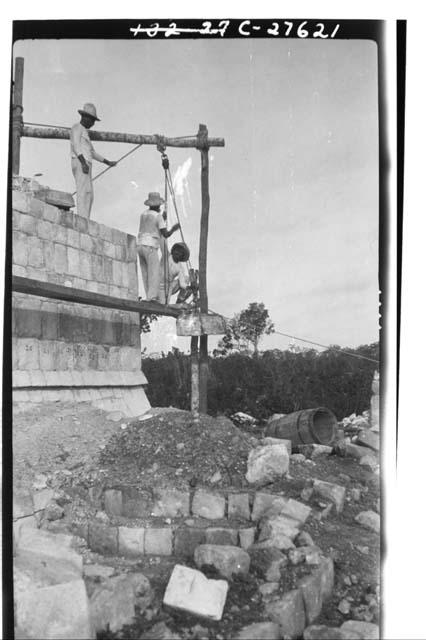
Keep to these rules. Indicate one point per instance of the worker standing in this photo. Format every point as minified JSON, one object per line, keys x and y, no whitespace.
{"x":151,"y":227}
{"x":82,"y":155}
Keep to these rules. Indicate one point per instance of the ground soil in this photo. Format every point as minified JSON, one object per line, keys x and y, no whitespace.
{"x":74,"y":443}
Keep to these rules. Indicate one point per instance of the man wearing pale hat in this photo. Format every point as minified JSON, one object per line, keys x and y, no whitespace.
{"x":82,"y":155}
{"x":151,"y":228}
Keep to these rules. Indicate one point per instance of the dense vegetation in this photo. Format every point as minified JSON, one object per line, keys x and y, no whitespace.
{"x":271,"y":382}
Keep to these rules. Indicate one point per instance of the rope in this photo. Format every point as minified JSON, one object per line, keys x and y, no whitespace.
{"x":317,"y":344}
{"x":108,"y":168}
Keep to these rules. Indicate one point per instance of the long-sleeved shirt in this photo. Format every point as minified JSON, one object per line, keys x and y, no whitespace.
{"x":82,"y":145}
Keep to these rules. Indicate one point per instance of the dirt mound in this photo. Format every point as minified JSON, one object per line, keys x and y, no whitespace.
{"x":175,"y":448}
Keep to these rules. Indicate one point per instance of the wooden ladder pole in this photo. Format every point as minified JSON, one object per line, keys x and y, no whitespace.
{"x":195,"y":377}
{"x":202,"y":260}
{"x":17,"y":110}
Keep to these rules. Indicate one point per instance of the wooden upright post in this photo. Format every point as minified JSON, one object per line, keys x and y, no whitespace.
{"x":202,"y":260}
{"x":17,"y":109}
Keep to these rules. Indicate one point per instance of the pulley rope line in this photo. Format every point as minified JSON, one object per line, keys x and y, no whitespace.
{"x":119,"y":160}
{"x":317,"y":344}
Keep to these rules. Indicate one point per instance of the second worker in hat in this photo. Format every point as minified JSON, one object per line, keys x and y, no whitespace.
{"x":152,"y":227}
{"x":82,"y":155}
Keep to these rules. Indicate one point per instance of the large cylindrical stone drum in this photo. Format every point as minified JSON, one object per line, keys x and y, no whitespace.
{"x":309,"y":426}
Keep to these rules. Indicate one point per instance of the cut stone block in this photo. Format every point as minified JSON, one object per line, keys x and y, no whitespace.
{"x":136,"y":504}
{"x":330,"y":491}
{"x":260,"y":631}
{"x":267,"y":563}
{"x":170,"y":503}
{"x":266,"y":464}
{"x":326,"y":570}
{"x":228,"y":560}
{"x":220,"y":535}
{"x":366,"y":630}
{"x":113,"y":499}
{"x":102,"y":538}
{"x":131,"y":541}
{"x":238,"y":506}
{"x":246,"y":537}
{"x":159,"y":542}
{"x":269,"y":503}
{"x":57,"y":612}
{"x":208,"y":505}
{"x":369,"y":520}
{"x":189,"y":590}
{"x":289,"y":613}
{"x":187,"y":539}
{"x":310,"y":587}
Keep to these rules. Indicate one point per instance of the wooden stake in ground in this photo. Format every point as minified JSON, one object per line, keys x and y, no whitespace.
{"x":202,"y":260}
{"x":17,"y":110}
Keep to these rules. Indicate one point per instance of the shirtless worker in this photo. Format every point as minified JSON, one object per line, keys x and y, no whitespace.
{"x":82,"y":154}
{"x":175,"y":280}
{"x":151,"y":228}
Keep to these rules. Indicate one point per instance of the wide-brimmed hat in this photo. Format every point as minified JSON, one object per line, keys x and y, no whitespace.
{"x":183,"y":248}
{"x":89,"y":109}
{"x":154,"y":199}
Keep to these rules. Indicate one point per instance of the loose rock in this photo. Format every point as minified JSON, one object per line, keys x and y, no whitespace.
{"x":344,"y":606}
{"x":331,"y":491}
{"x":367,"y":630}
{"x":267,"y":563}
{"x":369,"y":520}
{"x":227,"y":559}
{"x":266,"y":464}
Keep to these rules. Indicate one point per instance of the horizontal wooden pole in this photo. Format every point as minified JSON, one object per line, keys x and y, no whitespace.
{"x":109,"y":136}
{"x":81,"y":296}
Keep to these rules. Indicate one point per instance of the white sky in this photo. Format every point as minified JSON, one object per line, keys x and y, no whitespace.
{"x":294,"y":192}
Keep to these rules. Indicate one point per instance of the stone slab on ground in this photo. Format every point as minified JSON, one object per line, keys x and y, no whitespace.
{"x":208,"y":505}
{"x":289,"y":612}
{"x":227,"y":559}
{"x":266,"y":464}
{"x":260,"y":631}
{"x":271,"y":440}
{"x":189,"y":590}
{"x":331,"y":491}
{"x":33,"y":571}
{"x":45,"y":545}
{"x":58,"y":612}
{"x":366,"y":630}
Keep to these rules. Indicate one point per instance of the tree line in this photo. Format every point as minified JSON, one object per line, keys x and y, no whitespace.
{"x":272,"y":381}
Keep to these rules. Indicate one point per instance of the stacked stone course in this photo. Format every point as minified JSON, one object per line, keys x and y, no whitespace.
{"x":68,"y":351}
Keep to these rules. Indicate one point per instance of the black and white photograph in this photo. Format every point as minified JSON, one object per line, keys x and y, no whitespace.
{"x":198,"y":251}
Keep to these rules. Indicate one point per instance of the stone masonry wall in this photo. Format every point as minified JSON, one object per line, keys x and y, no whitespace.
{"x":65,"y":350}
